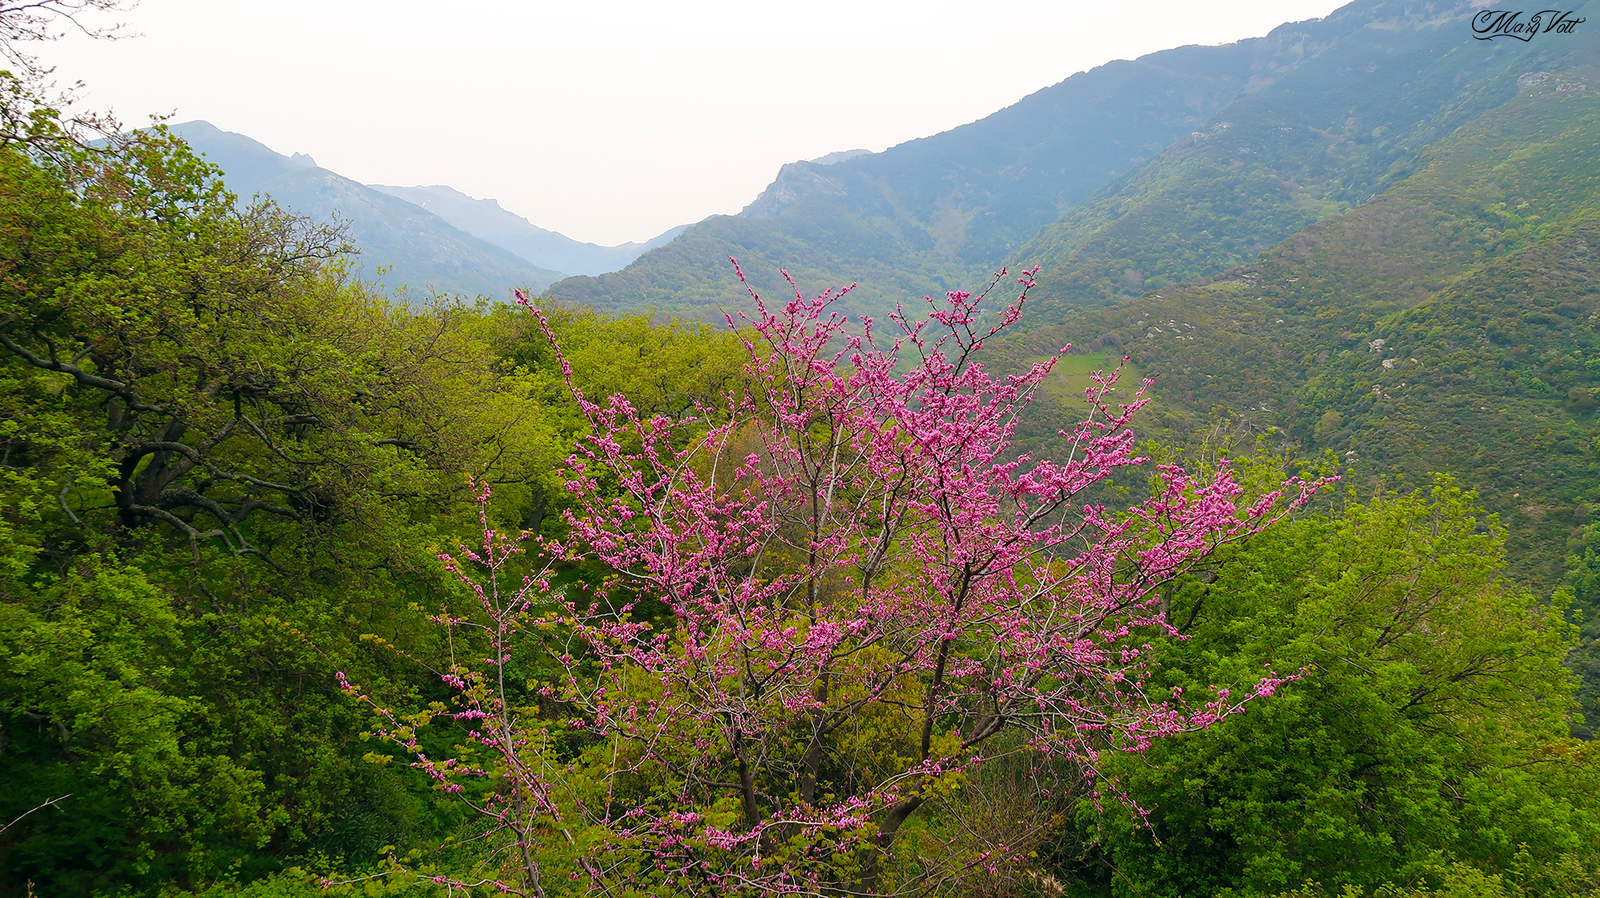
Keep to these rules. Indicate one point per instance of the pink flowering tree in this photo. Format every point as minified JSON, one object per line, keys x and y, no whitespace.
{"x":833,"y":598}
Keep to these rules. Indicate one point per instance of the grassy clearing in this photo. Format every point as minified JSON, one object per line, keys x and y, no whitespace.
{"x":1072,"y":375}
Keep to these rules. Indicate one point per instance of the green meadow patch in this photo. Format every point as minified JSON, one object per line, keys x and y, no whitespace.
{"x":1074,"y":374}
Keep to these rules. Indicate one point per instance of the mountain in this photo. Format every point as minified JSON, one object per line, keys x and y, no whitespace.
{"x":486,"y":220}
{"x":938,"y":212}
{"x":409,"y":245}
{"x":1451,"y":324}
{"x":942,"y":212}
{"x":1339,"y":129}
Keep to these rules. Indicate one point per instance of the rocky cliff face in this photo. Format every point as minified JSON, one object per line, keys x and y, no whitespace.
{"x":794,"y":181}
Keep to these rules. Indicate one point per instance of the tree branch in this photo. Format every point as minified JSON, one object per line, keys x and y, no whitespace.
{"x":54,"y":802}
{"x":117,"y":387}
{"x":61,"y":499}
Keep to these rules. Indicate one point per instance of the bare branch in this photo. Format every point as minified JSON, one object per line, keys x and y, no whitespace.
{"x":54,"y":802}
{"x":61,"y":498}
{"x":195,"y":536}
{"x":36,"y":21}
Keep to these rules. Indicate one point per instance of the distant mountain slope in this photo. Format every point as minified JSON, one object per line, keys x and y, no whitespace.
{"x":486,"y":220}
{"x":941,"y":212}
{"x":938,"y":212}
{"x":1452,"y":324}
{"x":415,"y":247}
{"x":1339,"y":129}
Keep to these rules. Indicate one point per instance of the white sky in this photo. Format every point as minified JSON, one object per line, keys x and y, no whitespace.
{"x":613,"y":120}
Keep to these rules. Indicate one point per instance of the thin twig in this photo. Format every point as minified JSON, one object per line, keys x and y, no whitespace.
{"x":54,"y":802}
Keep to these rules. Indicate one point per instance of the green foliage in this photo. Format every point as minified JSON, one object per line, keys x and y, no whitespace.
{"x":226,"y":470}
{"x":221,"y":464}
{"x":662,"y":368}
{"x":1427,"y":728}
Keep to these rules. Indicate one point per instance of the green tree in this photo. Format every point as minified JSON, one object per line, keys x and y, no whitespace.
{"x":222,"y":464}
{"x":1428,"y":726}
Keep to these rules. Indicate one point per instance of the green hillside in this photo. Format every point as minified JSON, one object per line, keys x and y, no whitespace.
{"x":1324,"y":138}
{"x":1444,"y":326}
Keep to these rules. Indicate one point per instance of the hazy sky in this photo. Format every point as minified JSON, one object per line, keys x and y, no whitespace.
{"x":613,"y":120}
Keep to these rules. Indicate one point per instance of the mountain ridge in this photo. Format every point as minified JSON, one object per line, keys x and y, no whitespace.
{"x":410,"y":246}
{"x":1271,"y":163}
{"x":488,"y":220}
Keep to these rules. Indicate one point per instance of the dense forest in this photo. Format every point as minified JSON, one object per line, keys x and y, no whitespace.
{"x":310,"y":588}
